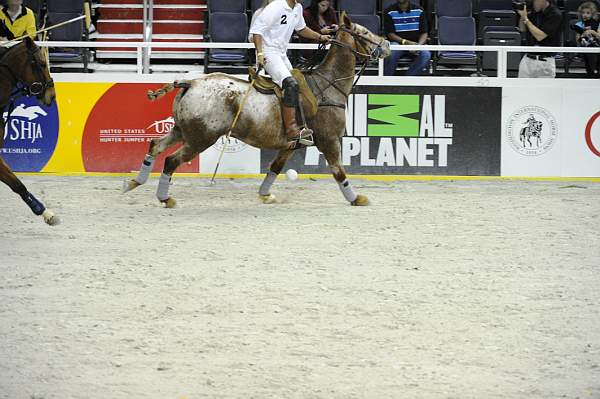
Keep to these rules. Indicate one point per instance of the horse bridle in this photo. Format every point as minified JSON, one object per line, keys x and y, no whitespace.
{"x":359,"y":39}
{"x":40,"y":85}
{"x":365,"y":56}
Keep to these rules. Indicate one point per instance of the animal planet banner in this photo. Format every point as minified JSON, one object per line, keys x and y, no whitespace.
{"x":104,"y":127}
{"x":397,"y":130}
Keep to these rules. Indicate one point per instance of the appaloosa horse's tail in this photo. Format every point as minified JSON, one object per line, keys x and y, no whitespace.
{"x":179,"y":84}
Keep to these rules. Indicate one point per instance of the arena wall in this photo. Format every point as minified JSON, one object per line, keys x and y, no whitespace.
{"x":101,"y":123}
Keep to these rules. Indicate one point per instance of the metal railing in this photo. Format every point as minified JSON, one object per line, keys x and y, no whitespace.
{"x":147,"y":34}
{"x":143,"y":49}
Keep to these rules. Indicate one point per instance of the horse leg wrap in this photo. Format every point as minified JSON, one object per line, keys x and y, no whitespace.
{"x":162,"y":192}
{"x":36,"y":206}
{"x":265,"y":187}
{"x":145,"y":169}
{"x":348,"y":191}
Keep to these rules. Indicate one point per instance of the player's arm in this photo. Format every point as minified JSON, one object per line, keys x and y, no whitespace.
{"x":258,"y":43}
{"x":310,"y":34}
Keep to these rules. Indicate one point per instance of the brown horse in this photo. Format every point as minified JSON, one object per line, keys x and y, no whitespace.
{"x":204,"y":108}
{"x":24,"y":63}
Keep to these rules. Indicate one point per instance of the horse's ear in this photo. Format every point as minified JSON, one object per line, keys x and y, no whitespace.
{"x":29,"y":42}
{"x":345,"y":18}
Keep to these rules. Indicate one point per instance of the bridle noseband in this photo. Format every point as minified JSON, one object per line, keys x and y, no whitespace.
{"x":40,"y":85}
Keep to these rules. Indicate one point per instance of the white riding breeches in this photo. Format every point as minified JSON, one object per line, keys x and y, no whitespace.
{"x":277,"y":66}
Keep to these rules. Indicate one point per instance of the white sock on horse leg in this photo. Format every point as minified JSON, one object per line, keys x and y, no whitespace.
{"x":348,"y":191}
{"x":145,"y":170}
{"x":162,"y":192}
{"x":265,"y":187}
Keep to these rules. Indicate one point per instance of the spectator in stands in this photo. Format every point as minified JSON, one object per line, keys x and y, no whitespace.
{"x":257,"y":13}
{"x":16,"y":21}
{"x":588,"y":24}
{"x":320,"y":17}
{"x":543,"y":28}
{"x":406,"y":23}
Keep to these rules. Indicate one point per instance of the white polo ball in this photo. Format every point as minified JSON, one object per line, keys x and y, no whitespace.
{"x":291,"y":174}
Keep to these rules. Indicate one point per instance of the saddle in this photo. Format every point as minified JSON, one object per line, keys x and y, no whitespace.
{"x":265,"y":85}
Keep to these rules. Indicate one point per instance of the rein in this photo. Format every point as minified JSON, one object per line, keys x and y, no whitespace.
{"x":333,"y":83}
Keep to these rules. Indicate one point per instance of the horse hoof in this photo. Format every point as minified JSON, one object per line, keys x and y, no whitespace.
{"x":169,"y":202}
{"x":267,"y":199}
{"x":129,"y":185}
{"x":360,"y":200}
{"x":50,"y":218}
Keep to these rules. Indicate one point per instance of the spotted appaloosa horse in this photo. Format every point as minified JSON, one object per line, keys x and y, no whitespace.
{"x":24,"y":63}
{"x":205,"y":107}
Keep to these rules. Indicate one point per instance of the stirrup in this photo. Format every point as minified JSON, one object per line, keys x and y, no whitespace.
{"x":303,"y":139}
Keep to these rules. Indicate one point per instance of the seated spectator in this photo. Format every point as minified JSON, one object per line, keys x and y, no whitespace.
{"x":543,"y":28}
{"x":589,"y":36}
{"x":322,"y":18}
{"x":257,"y":13}
{"x":16,"y":21}
{"x":405,"y":24}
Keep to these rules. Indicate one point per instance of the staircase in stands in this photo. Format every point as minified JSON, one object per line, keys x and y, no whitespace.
{"x":174,"y":21}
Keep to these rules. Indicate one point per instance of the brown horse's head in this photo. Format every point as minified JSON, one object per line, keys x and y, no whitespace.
{"x":362,"y":41}
{"x":28,"y":65}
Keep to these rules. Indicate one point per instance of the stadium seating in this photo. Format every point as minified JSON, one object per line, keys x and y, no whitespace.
{"x":358,"y":7}
{"x":71,"y":32}
{"x":501,"y":36}
{"x":454,"y":8}
{"x":64,"y":6}
{"x":371,"y":22}
{"x":457,"y":31}
{"x":227,"y":28}
{"x":491,"y":18}
{"x":494,"y":5}
{"x":229,"y":6}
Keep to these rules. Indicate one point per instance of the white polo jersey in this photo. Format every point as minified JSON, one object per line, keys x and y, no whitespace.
{"x":277,"y":23}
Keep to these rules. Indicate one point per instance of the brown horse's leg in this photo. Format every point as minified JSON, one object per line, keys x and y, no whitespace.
{"x":264,"y":193}
{"x":184,"y":154}
{"x":157,"y":146}
{"x":332,"y":150}
{"x":37,"y":207}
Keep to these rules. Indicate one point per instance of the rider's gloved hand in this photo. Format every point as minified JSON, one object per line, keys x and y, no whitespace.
{"x":260,"y":58}
{"x":325,"y":38}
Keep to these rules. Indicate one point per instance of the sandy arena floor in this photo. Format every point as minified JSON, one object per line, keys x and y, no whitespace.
{"x":438,"y":290}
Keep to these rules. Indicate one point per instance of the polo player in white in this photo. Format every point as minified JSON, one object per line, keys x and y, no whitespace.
{"x":271,"y":33}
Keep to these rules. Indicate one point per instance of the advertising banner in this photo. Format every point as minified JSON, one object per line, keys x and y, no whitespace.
{"x":30,"y":134}
{"x":415,"y":130}
{"x":550,"y":132}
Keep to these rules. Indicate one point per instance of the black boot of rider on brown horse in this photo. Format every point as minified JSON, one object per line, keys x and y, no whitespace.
{"x":298,"y":135}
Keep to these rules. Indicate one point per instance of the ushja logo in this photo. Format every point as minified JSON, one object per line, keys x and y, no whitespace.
{"x":162,"y":127}
{"x":22,"y":124}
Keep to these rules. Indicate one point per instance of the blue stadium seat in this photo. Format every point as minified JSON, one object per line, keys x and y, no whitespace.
{"x":230,"y":6}
{"x":371,"y":22}
{"x":64,"y":6}
{"x":71,"y":32}
{"x":457,"y":31}
{"x":454,"y":8}
{"x":227,"y":28}
{"x":358,"y":7}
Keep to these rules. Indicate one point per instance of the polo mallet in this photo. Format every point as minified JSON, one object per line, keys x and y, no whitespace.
{"x":16,"y":39}
{"x":235,"y":120}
